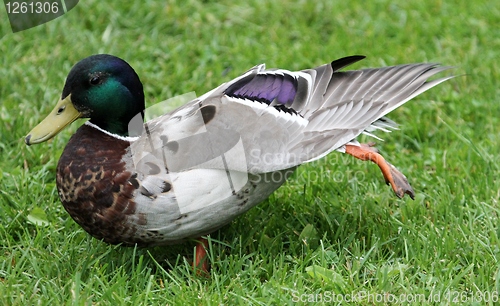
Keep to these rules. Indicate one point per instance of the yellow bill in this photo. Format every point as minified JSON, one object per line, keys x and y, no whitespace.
{"x":62,"y":115}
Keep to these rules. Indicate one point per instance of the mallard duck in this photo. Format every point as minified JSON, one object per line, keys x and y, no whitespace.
{"x":187,"y":173}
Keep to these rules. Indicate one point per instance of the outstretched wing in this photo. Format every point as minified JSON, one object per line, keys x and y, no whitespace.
{"x":274,"y":119}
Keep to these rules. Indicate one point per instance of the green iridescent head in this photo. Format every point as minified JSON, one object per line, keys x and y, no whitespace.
{"x":101,"y":87}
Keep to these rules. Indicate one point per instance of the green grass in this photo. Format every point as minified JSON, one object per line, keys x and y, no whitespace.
{"x":335,"y":227}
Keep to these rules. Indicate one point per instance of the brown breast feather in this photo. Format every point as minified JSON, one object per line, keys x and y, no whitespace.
{"x":95,"y":187}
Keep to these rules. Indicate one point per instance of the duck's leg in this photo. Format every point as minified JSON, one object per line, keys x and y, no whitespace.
{"x":392,"y":175}
{"x":200,"y":258}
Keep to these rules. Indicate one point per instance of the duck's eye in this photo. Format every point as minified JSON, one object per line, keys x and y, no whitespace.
{"x":95,"y":80}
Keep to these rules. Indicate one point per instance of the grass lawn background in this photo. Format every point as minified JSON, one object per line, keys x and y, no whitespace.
{"x":335,"y":230}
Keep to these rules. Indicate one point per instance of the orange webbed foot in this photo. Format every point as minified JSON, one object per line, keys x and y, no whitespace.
{"x":392,"y":175}
{"x":200,"y":264}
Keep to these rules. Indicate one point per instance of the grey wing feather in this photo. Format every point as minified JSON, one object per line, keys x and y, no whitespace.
{"x":311,"y":113}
